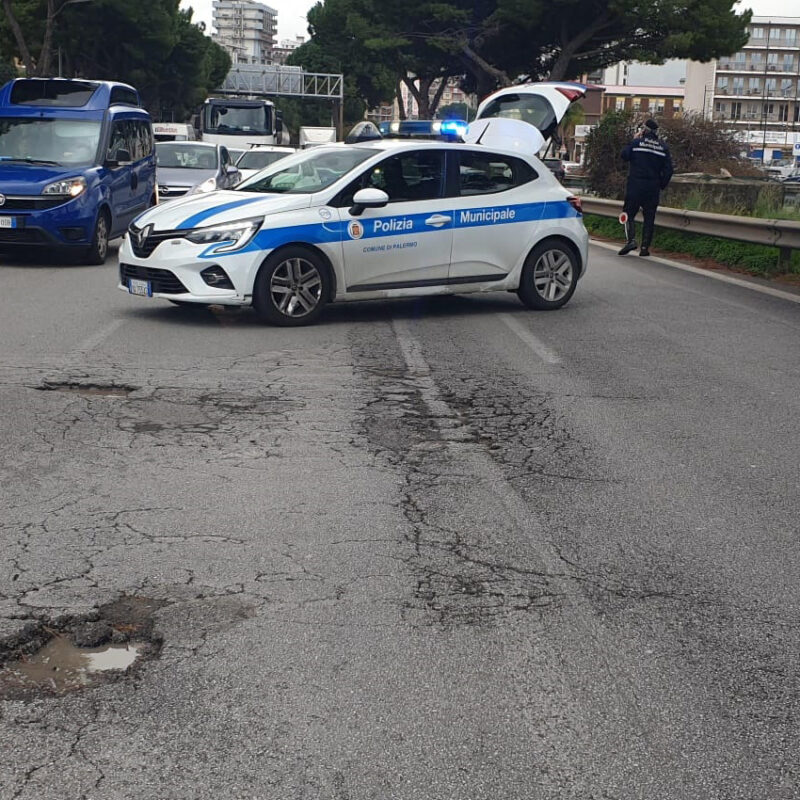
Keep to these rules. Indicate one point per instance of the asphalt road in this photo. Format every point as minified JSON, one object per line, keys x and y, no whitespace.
{"x":443,"y":549}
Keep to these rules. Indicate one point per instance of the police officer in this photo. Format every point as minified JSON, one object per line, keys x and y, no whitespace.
{"x":650,"y":172}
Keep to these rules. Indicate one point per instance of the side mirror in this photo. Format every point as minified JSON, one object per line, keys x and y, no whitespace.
{"x":368,"y":198}
{"x":123,"y":158}
{"x":232,"y":169}
{"x":278,"y":123}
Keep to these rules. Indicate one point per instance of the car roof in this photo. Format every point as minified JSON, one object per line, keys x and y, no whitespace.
{"x":189,"y":144}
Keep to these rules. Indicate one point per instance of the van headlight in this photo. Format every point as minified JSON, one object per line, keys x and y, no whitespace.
{"x":70,"y":187}
{"x":207,"y":185}
{"x":232,"y":235}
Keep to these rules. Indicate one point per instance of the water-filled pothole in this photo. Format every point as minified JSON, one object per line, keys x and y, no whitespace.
{"x":60,"y":666}
{"x":53,"y":658}
{"x":88,"y":388}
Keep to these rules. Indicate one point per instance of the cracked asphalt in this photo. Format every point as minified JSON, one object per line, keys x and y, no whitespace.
{"x":439,"y":549}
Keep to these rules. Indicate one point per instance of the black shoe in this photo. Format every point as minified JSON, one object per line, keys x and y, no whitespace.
{"x":644,"y":252}
{"x":627,"y":247}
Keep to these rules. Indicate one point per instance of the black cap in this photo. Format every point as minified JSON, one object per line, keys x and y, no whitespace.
{"x":652,"y":124}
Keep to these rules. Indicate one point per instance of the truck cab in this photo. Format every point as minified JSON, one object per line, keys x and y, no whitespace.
{"x":76,"y":164}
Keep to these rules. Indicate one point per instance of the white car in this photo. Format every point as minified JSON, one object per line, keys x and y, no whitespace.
{"x":379,"y":219}
{"x":260,"y":156}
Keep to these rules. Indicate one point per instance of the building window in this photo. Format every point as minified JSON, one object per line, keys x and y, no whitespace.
{"x":783,"y":112}
{"x":619,"y":103}
{"x":786,"y":87}
{"x":637,"y":103}
{"x":736,"y":110}
{"x":756,"y":33}
{"x":788,"y":62}
{"x":769,"y":109}
{"x":738,"y":85}
{"x":657,"y":105}
{"x":722,"y":84}
{"x":754,"y":86}
{"x":771,"y":86}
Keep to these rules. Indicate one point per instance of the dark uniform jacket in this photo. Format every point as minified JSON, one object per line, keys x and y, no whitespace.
{"x":650,"y":162}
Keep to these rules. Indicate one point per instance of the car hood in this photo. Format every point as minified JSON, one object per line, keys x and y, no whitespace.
{"x":202,"y":210}
{"x":180,"y":176}
{"x":28,"y":179}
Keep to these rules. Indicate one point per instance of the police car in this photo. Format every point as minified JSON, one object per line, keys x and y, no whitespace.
{"x":376,"y":219}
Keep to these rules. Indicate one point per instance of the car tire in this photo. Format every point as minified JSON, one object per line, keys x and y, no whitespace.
{"x":549,"y":276}
{"x":98,"y":249}
{"x":292,"y":287}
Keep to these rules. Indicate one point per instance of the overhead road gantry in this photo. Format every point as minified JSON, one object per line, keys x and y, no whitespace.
{"x":268,"y":80}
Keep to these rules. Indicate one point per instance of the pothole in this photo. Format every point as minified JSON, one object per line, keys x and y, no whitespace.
{"x":91,"y":389}
{"x":78,"y":653}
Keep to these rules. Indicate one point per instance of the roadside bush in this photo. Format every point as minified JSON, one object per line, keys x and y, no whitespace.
{"x":696,"y":144}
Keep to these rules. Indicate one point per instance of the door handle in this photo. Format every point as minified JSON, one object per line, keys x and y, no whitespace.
{"x":437,"y":220}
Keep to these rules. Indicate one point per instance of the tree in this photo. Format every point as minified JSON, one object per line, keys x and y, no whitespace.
{"x":498,"y":42}
{"x":456,"y":111}
{"x":151,"y":44}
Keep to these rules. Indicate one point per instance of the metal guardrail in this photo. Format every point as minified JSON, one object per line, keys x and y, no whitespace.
{"x":783,"y":234}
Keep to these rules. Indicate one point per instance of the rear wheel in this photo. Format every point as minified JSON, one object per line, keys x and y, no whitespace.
{"x":292,"y":287}
{"x":98,"y":249}
{"x":549,"y":276}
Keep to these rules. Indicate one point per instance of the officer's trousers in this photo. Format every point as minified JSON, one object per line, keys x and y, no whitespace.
{"x":644,"y":195}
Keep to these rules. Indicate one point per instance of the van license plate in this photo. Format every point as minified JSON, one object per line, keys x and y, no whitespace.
{"x":8,"y":222}
{"x":142,"y":288}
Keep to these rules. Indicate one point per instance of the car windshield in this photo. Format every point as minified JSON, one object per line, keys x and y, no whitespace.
{"x":258,"y":159}
{"x":63,"y":142}
{"x":308,"y":171}
{"x":185,"y":156}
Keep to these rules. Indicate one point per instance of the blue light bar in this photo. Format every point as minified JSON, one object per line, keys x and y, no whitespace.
{"x":453,"y":127}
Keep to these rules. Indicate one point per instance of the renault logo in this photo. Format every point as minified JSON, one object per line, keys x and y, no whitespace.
{"x":2,"y":199}
{"x":141,"y":235}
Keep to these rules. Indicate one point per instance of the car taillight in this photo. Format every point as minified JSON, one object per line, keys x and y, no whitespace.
{"x":575,"y":202}
{"x":571,"y":94}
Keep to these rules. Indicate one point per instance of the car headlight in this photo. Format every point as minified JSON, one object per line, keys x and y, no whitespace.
{"x":70,"y":186}
{"x":207,"y":185}
{"x":232,"y":235}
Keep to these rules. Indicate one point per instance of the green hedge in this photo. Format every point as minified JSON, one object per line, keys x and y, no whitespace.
{"x":757,"y":259}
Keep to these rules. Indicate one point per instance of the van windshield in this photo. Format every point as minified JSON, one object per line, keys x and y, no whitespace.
{"x":60,"y":142}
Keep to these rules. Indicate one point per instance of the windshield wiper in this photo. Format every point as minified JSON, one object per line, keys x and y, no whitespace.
{"x":34,"y":161}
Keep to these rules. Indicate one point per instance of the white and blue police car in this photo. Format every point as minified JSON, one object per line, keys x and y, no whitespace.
{"x":378,"y":219}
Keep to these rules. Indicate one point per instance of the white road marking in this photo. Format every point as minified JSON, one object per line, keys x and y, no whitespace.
{"x":537,"y":345}
{"x":756,"y":287}
{"x":475,"y":462}
{"x":96,"y":339}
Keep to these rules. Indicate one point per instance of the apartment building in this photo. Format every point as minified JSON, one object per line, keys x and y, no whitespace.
{"x":246,"y":29}
{"x":756,"y":89}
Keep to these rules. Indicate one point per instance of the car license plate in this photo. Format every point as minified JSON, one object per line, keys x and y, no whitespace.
{"x":8,"y":222}
{"x":142,"y":288}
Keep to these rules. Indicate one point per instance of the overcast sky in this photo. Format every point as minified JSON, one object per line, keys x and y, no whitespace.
{"x":292,"y":19}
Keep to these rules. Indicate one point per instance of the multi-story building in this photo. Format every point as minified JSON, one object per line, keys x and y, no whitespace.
{"x":664,"y":101}
{"x":756,"y":89}
{"x":246,"y":29}
{"x":286,"y":47}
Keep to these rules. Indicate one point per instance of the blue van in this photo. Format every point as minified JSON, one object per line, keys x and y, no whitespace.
{"x":76,"y":164}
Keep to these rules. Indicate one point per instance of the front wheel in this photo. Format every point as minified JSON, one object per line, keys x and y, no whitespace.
{"x":292,"y":287}
{"x":98,"y":249}
{"x":549,"y":276}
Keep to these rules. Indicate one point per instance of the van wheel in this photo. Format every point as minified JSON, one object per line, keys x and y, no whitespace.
{"x":98,"y":249}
